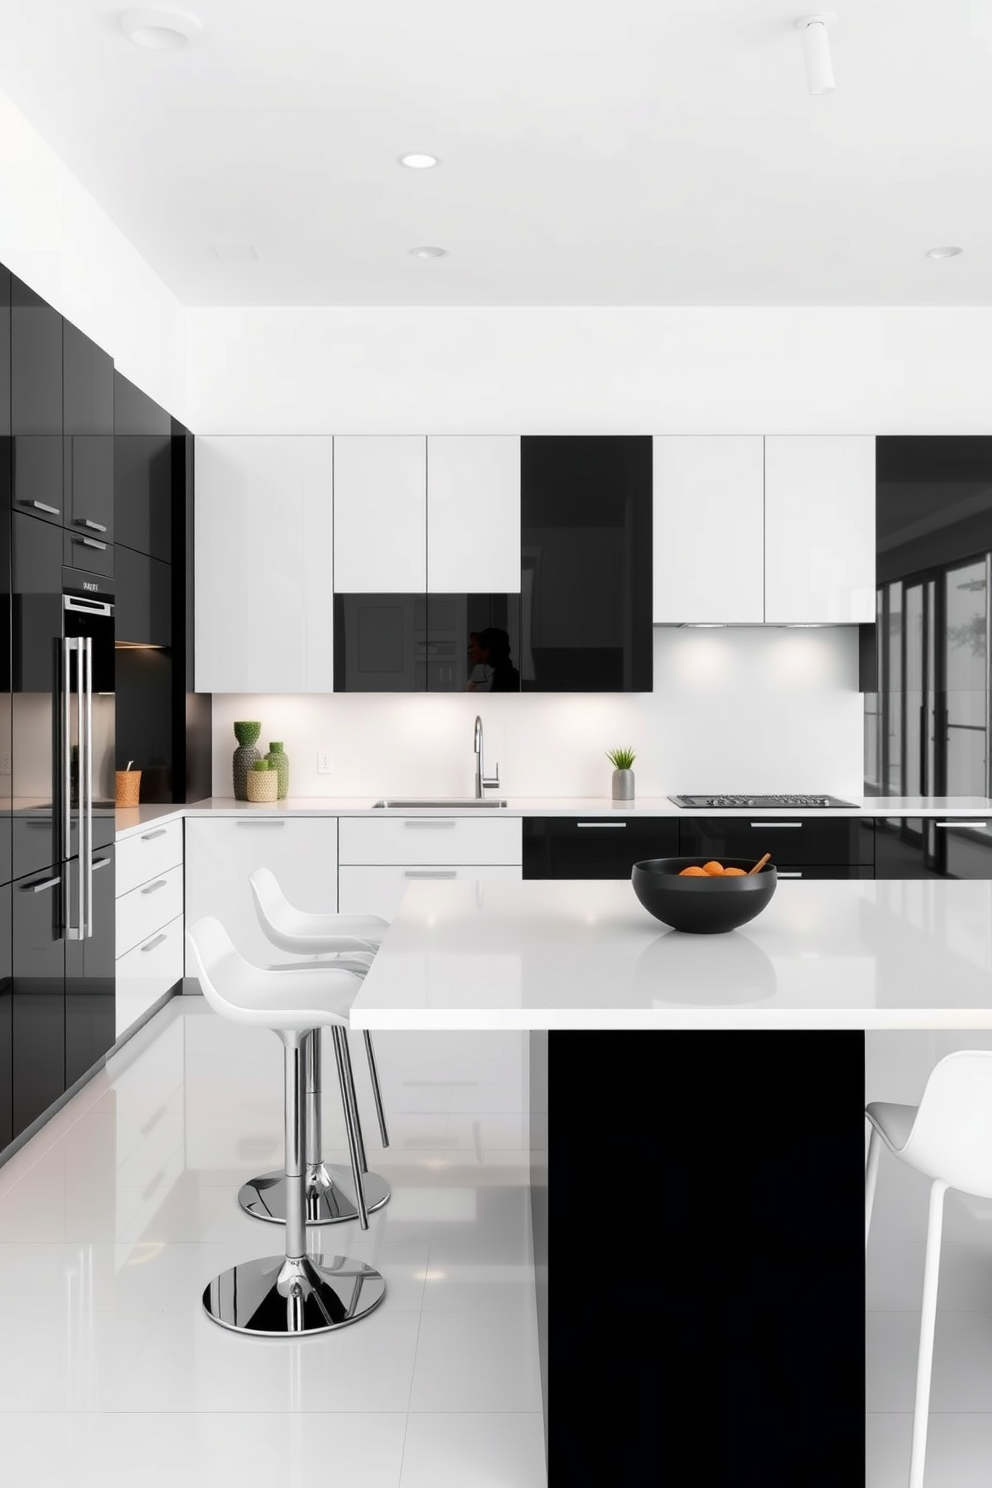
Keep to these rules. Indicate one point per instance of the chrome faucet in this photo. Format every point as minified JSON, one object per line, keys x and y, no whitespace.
{"x":482,"y":782}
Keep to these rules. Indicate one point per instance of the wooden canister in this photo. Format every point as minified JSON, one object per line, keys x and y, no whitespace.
{"x":127,"y":786}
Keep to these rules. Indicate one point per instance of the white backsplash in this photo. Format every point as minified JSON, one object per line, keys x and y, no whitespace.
{"x":738,"y":710}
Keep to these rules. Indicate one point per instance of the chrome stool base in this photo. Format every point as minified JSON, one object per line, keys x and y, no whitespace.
{"x":330,"y":1195}
{"x":276,"y":1297}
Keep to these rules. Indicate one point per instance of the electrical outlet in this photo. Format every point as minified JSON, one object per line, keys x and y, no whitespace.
{"x":325,"y":762}
{"x":4,"y":763}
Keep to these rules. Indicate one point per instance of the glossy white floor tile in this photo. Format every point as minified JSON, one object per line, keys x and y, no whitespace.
{"x":959,"y":1446}
{"x":118,"y":1213}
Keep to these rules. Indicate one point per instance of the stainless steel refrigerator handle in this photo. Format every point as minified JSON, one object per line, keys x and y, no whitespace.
{"x":65,"y":787}
{"x":87,"y":861}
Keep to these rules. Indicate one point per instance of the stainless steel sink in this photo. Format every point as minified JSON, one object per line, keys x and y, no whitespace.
{"x":439,"y":803}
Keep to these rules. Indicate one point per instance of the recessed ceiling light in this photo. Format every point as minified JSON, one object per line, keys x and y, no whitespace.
{"x":236,"y":253}
{"x":419,"y":162}
{"x":428,"y":252}
{"x":949,"y":252}
{"x":161,"y":30}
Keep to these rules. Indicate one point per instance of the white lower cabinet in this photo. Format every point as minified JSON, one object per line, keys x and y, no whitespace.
{"x":378,"y":890}
{"x":221,"y":852}
{"x":149,"y":915}
{"x":146,"y":973}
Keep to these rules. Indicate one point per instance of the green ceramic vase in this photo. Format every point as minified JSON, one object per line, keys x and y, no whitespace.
{"x":278,"y":758}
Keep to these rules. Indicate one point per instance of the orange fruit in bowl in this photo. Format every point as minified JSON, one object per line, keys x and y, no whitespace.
{"x":734,"y":873}
{"x":713,"y":868}
{"x":693,"y":873}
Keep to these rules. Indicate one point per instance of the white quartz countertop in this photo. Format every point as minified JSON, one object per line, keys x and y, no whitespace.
{"x":585,"y":954}
{"x":136,"y":818}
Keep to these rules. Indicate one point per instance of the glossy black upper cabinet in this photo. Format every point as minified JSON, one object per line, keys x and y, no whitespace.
{"x":426,"y":642}
{"x":88,"y":450}
{"x":5,"y":279}
{"x":585,"y":509}
{"x":36,"y":404}
{"x":143,"y":478}
{"x":36,"y":617}
{"x":927,"y":726}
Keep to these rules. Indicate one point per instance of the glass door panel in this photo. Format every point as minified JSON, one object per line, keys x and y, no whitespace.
{"x":965,"y":666}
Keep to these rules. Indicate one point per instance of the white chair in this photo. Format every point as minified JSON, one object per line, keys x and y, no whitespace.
{"x":342,"y":941}
{"x":291,"y":1293}
{"x":948,"y":1136}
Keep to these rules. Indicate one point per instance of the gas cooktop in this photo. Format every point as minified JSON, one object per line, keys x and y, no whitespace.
{"x":772,"y":803}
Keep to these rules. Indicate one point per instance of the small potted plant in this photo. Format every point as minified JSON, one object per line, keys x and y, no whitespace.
{"x":623,"y":775}
{"x":263,"y":783}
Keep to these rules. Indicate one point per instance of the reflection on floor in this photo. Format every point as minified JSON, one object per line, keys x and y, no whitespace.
{"x":959,"y":1447}
{"x":114,"y":1217}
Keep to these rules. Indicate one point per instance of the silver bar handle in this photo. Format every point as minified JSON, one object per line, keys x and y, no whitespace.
{"x":47,"y":883}
{"x":262,"y":822}
{"x":430,"y":821}
{"x":601,"y":824}
{"x":159,"y":832}
{"x":65,"y":730}
{"x":100,"y":863}
{"x":93,"y":526}
{"x":430,"y":873}
{"x":774,"y":826}
{"x":156,"y":940}
{"x":53,"y":511}
{"x":159,"y":883}
{"x":91,"y":542}
{"x":962,"y":824}
{"x":86,"y":819}
{"x":788,"y":875}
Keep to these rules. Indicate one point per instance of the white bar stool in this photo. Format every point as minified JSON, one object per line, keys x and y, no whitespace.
{"x":948,"y":1136}
{"x":348,"y":942}
{"x":288,"y":1294}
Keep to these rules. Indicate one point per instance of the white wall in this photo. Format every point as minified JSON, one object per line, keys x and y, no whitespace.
{"x":761,"y":710}
{"x":55,"y":237}
{"x":613,"y":370}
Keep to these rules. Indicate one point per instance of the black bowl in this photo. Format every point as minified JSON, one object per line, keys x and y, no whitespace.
{"x":702,"y":906}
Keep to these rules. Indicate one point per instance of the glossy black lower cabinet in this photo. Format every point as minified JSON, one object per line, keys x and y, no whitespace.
{"x":38,"y":961}
{"x":794,"y":842}
{"x":933,"y":847}
{"x":6,"y":1022}
{"x":90,"y":1009}
{"x":722,"y":1341}
{"x":594,"y":846}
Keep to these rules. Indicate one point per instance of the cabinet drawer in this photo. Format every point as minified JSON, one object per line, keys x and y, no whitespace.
{"x":380,"y":890}
{"x":594,"y":846}
{"x":147,"y":971}
{"x":429,"y":839}
{"x":148,"y":854}
{"x":91,"y":553}
{"x":794,"y":842}
{"x":144,"y":911}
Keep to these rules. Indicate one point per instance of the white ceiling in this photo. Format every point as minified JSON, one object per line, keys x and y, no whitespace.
{"x":601,"y":152}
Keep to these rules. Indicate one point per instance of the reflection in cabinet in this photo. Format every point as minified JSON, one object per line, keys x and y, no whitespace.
{"x":933,"y":847}
{"x":421,"y":642}
{"x":38,"y":966}
{"x":264,"y":536}
{"x":586,"y":525}
{"x":37,"y":617}
{"x":709,"y":541}
{"x":380,"y":514}
{"x":819,"y":529}
{"x":221,"y":852}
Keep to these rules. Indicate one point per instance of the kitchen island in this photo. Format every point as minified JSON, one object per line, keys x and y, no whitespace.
{"x":732,"y":1137}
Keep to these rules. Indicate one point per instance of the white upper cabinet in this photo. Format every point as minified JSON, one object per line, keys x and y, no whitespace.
{"x":708,"y":529}
{"x":473,"y":514}
{"x":264,"y":548}
{"x":380,"y":514}
{"x":819,"y":529}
